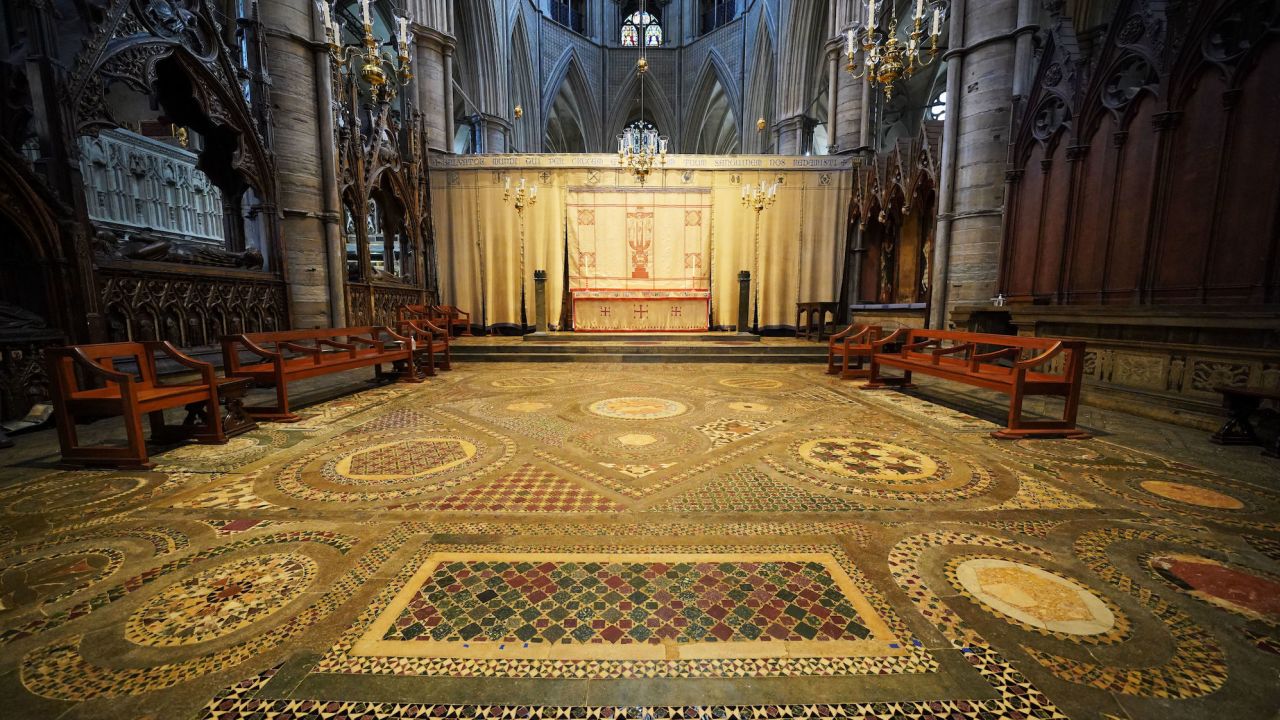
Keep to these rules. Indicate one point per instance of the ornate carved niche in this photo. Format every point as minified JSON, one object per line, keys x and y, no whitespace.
{"x":189,"y":310}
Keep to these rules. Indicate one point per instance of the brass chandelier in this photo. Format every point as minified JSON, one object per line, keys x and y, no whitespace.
{"x":641,"y":149}
{"x":377,"y":69}
{"x":885,"y":58}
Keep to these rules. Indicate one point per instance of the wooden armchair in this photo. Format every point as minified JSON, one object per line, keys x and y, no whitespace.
{"x":854,"y":342}
{"x":450,"y":317}
{"x":130,"y":396}
{"x":428,"y":341}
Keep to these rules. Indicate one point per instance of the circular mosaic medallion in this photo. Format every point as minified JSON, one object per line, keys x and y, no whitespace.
{"x":217,"y":602}
{"x":1234,"y":589}
{"x":521,"y":382}
{"x":404,"y":460}
{"x":751,"y":383}
{"x":527,"y":406}
{"x":1191,"y":495}
{"x":1033,"y":596}
{"x":637,"y":408}
{"x":635,"y":439}
{"x":749,"y":407}
{"x":867,"y":460}
{"x":59,"y":493}
{"x":233,"y":446}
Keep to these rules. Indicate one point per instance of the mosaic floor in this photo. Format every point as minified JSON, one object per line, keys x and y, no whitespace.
{"x":569,"y":541}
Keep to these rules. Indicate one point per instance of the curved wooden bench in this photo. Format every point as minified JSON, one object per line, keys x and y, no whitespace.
{"x":965,"y":357}
{"x":291,"y":359}
{"x":428,"y":341}
{"x":851,"y":343}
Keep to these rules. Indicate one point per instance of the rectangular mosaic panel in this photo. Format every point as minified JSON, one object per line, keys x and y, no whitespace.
{"x":658,"y":606}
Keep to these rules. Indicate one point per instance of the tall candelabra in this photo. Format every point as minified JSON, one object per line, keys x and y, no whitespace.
{"x":757,"y":197}
{"x":521,"y":197}
{"x":640,"y":150}
{"x":886,"y":59}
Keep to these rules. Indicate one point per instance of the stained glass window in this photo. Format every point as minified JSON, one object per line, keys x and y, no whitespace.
{"x":639,"y":24}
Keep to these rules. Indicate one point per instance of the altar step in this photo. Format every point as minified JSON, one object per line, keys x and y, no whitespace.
{"x":635,"y":350}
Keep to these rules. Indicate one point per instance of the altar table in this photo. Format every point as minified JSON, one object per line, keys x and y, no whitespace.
{"x":640,"y":310}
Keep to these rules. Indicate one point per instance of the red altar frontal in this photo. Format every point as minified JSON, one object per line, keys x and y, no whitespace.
{"x":640,"y":310}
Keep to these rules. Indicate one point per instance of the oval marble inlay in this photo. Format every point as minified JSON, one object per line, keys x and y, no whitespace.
{"x":865,"y":459}
{"x":1034,"y":596}
{"x":1217,"y":583}
{"x":1191,"y":495}
{"x":405,"y":459}
{"x":637,"y":408}
{"x":219,"y":601}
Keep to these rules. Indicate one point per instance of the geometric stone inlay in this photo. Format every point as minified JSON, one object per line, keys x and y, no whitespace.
{"x":405,"y":459}
{"x":628,"y":606}
{"x":1240,"y":591}
{"x":221,"y":600}
{"x":637,"y":408}
{"x":867,"y":460}
{"x":1191,"y":495}
{"x":1035,"y":596}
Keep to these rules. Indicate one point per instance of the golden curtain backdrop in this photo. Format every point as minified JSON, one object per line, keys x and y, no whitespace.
{"x":482,"y":260}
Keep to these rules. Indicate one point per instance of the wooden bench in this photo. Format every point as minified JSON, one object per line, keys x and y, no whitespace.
{"x":968,"y":358}
{"x":132,"y":395}
{"x":290,"y":359}
{"x":428,"y":341}
{"x":450,"y":317}
{"x":851,"y":343}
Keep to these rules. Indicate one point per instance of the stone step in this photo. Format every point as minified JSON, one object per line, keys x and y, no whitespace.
{"x":630,"y":357}
{"x":461,"y":350}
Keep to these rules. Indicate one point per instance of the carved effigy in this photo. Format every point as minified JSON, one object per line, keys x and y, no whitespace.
{"x":142,"y":247}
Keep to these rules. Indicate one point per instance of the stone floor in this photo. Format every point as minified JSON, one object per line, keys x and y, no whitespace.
{"x":542,"y":540}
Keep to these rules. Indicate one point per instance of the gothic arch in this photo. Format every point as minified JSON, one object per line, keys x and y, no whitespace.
{"x":762,"y":82}
{"x":658,"y":110}
{"x":477,"y":54}
{"x":712,"y":124}
{"x":802,"y":42}
{"x":524,"y":89}
{"x":571,"y":119}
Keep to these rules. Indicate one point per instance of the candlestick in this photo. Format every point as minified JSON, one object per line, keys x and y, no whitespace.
{"x":871,"y":14}
{"x":849,"y":45}
{"x":326,"y":22}
{"x":364,"y":11}
{"x":936,"y":20}
{"x":404,"y":34}
{"x":919,"y":9}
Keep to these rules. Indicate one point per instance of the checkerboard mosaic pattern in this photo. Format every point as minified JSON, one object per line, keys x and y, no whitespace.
{"x":623,"y":602}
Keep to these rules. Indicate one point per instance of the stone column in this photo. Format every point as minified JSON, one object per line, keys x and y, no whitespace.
{"x":744,"y":300}
{"x":294,"y":59}
{"x":540,"y":300}
{"x":980,"y":87}
{"x":447,"y":78}
{"x":335,"y":244}
{"x":833,"y":96}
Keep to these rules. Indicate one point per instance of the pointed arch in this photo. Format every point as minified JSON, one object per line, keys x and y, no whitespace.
{"x":524,"y":89}
{"x":478,"y":44}
{"x":762,"y":81}
{"x":712,"y":125}
{"x":802,"y":41}
{"x":625,"y":108}
{"x":571,"y":120}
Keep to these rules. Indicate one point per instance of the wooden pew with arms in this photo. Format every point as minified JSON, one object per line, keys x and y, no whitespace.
{"x":428,"y":341}
{"x":924,"y":351}
{"x":291,"y":360}
{"x":452,"y":316}
{"x":133,"y":395}
{"x":852,"y":343}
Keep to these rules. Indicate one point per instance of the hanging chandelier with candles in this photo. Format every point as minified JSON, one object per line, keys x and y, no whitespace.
{"x":380,"y":71}
{"x":641,"y":148}
{"x":886,"y":59}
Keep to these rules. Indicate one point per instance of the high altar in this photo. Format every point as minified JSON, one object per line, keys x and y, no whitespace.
{"x":637,"y":259}
{"x":625,"y":256}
